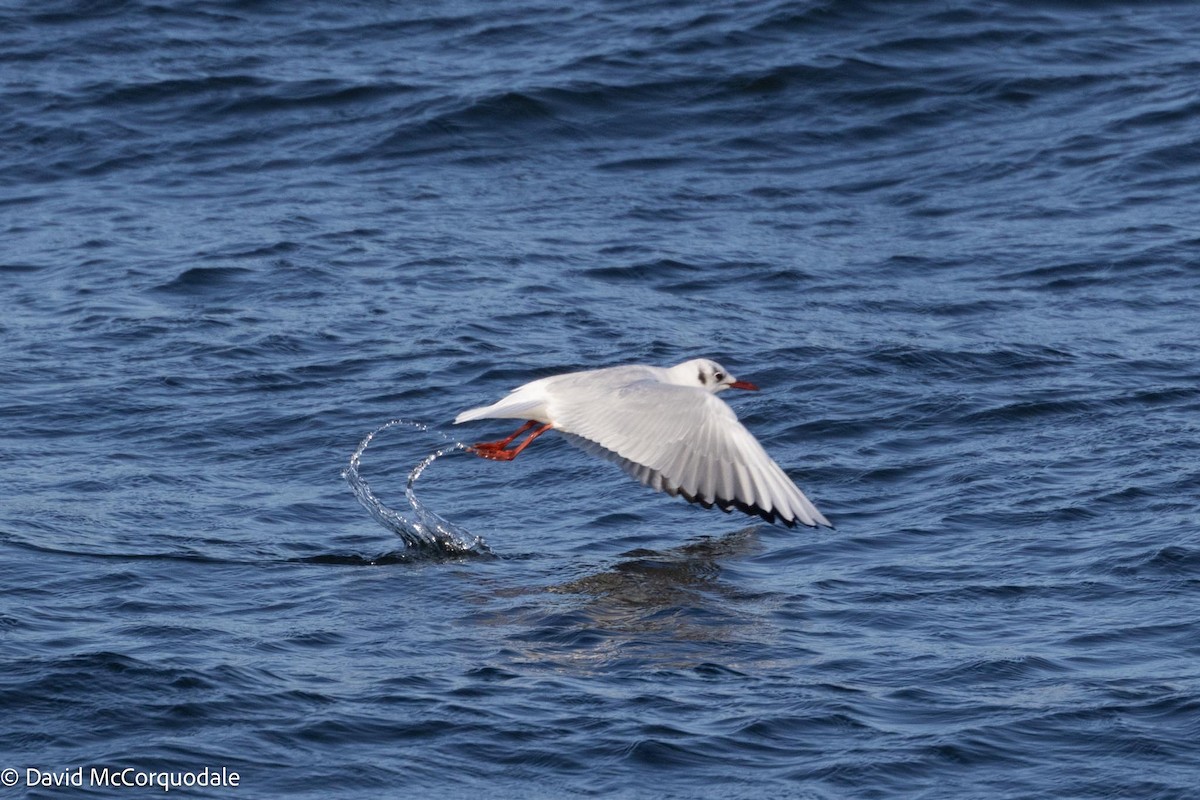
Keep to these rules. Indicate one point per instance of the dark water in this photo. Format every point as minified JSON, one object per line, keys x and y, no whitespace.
{"x":958,"y":245}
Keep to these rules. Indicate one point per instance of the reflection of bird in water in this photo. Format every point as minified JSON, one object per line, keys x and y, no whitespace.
{"x":665,"y":427}
{"x":666,"y":608}
{"x":653,"y":609}
{"x":650,"y":578}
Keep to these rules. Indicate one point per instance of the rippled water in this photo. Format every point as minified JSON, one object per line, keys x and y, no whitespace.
{"x":955,"y":243}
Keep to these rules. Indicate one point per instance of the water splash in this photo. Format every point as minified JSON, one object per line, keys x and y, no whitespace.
{"x":423,"y":530}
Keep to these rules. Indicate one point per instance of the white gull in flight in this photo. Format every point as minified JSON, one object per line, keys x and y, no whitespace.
{"x":665,"y":427}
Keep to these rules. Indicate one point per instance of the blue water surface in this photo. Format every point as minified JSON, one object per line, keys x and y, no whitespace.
{"x":955,"y":243}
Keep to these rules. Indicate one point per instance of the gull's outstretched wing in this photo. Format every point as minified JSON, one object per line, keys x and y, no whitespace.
{"x":679,"y":440}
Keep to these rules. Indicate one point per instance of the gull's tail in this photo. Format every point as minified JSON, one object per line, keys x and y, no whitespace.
{"x":527,"y":402}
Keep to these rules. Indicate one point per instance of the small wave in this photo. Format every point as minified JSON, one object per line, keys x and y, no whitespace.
{"x":424,"y":531}
{"x":202,"y":279}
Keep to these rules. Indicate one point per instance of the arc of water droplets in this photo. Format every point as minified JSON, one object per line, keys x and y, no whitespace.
{"x":426,"y":530}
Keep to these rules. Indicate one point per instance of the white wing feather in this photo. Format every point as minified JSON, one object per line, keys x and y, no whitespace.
{"x":676,"y":439}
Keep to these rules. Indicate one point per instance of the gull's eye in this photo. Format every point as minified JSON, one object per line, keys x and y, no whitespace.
{"x":720,"y":376}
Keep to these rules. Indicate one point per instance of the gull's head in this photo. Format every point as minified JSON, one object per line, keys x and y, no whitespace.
{"x":706,"y":374}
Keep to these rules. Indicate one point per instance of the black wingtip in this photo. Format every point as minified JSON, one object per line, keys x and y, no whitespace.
{"x":728,"y":506}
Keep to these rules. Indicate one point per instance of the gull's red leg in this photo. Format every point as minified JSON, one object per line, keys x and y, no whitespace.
{"x":483,"y":447}
{"x":496,"y":451}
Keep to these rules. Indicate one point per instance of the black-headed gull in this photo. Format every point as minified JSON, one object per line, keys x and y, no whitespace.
{"x":665,"y":427}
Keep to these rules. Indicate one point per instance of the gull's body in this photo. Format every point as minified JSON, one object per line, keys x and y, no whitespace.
{"x":665,"y":427}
